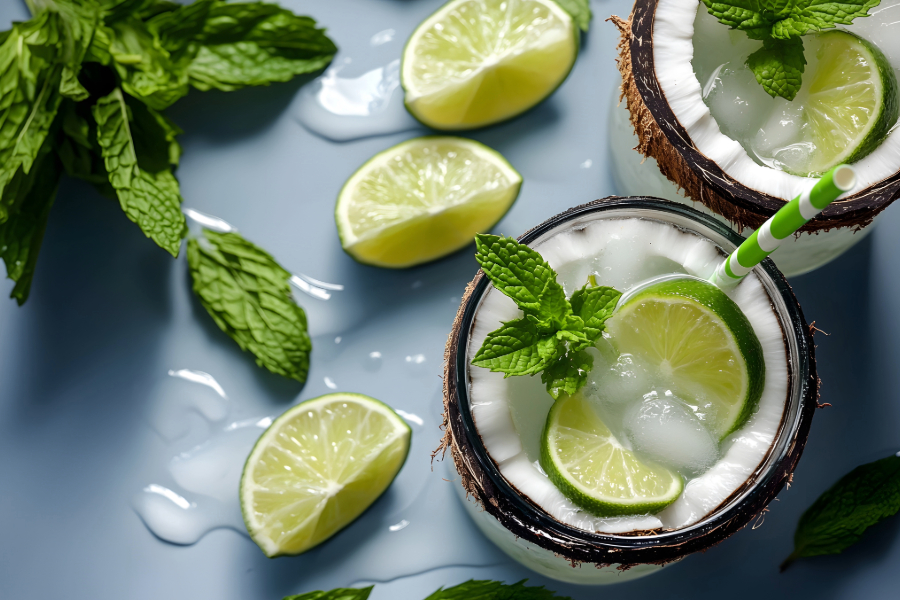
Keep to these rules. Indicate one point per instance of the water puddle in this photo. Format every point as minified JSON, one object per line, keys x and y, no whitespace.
{"x":358,"y":98}
{"x":196,"y":490}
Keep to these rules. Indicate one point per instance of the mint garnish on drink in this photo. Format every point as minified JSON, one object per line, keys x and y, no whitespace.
{"x":778,"y":66}
{"x":554,"y":332}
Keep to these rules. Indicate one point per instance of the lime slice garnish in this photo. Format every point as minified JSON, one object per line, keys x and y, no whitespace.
{"x":318,"y":467}
{"x":423,"y":199}
{"x":701,"y":343}
{"x":585,"y":461}
{"x":477,"y":62}
{"x":852,"y":102}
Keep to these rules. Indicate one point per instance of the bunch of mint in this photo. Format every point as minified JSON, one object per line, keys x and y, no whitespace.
{"x":779,"y":24}
{"x":554,"y":332}
{"x":83,"y":85}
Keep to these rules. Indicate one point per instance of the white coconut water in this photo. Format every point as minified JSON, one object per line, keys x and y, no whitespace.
{"x":647,"y":413}
{"x":773,"y":131}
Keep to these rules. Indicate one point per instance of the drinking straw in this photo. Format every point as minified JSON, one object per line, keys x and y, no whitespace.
{"x":784,"y":223}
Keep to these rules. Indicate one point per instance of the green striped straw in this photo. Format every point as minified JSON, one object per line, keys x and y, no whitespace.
{"x":784,"y":223}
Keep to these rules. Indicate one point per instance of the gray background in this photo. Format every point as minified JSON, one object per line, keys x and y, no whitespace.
{"x":110,"y":313}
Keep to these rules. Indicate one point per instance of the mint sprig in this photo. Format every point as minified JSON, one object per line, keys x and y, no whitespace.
{"x":867,"y":495}
{"x":468,"y":590}
{"x":778,"y":66}
{"x":554,"y":332}
{"x":82,"y":87}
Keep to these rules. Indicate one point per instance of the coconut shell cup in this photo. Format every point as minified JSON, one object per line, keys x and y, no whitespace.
{"x":662,"y":137}
{"x":484,"y":483}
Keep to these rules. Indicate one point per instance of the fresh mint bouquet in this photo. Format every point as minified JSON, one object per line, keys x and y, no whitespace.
{"x":83,"y":89}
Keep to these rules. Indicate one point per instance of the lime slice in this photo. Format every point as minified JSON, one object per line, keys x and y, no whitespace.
{"x":585,"y":461}
{"x":701,"y":343}
{"x":423,"y":199}
{"x":852,"y":102}
{"x":478,"y":62}
{"x":317,"y":468}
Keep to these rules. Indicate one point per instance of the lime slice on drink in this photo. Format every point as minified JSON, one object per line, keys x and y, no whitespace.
{"x":701,"y":343}
{"x":423,"y":199}
{"x":478,"y":62}
{"x":852,"y":102}
{"x":585,"y":461}
{"x":317,"y":468}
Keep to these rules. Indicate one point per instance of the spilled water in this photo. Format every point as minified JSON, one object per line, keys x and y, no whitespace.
{"x":196,"y":490}
{"x":358,"y":98}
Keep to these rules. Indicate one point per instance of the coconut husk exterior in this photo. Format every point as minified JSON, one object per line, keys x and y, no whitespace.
{"x":662,"y":137}
{"x":479,"y":474}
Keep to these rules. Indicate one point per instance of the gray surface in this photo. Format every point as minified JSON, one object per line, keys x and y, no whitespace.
{"x":110,"y":313}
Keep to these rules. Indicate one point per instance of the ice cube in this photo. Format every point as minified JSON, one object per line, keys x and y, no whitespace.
{"x":738,"y":103}
{"x":615,"y":384}
{"x":663,"y":429}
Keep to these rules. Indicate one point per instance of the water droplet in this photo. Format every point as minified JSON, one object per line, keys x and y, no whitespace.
{"x":411,"y":417}
{"x":382,"y":37}
{"x":586,"y":164}
{"x":398,"y":526}
{"x":331,"y":384}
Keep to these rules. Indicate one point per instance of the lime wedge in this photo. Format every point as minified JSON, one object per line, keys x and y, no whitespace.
{"x":423,"y":199}
{"x":478,"y":62}
{"x":852,"y":102}
{"x":317,"y":468}
{"x":585,"y":461}
{"x":701,"y":343}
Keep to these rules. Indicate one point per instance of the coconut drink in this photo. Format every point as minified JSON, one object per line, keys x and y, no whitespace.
{"x":670,"y":416}
{"x":711,"y":130}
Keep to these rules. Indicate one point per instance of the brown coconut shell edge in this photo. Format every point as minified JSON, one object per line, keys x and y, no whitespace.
{"x":662,"y":137}
{"x":576,"y":546}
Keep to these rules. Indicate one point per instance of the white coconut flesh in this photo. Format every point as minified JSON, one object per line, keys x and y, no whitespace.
{"x":673,"y":51}
{"x":509,"y":412}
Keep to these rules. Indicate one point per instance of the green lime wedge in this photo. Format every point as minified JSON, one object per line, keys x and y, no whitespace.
{"x":585,"y":461}
{"x":317,"y":468}
{"x":701,"y":343}
{"x":423,"y":199}
{"x":852,"y":102}
{"x":478,"y":62}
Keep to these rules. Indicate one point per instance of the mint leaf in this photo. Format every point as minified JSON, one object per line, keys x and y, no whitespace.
{"x":29,"y":99}
{"x":78,"y":149}
{"x":248,"y":296}
{"x":580,"y":11}
{"x":516,"y":349}
{"x":568,"y":373}
{"x":778,"y":66}
{"x":147,"y":70}
{"x":495,"y":590}
{"x":257,"y":43}
{"x":837,"y":519}
{"x":813,"y":15}
{"x":152,"y":200}
{"x":746,"y":15}
{"x":23,"y":232}
{"x":594,"y":305}
{"x":337,"y":594}
{"x":523,"y":275}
